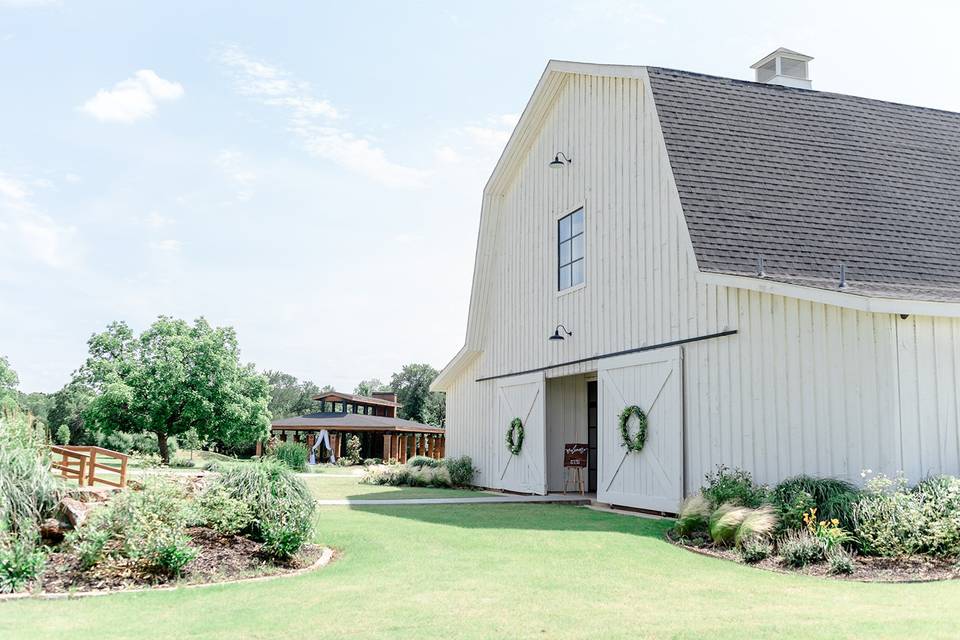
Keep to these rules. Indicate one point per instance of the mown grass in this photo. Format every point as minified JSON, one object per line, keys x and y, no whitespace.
{"x":505,"y":571}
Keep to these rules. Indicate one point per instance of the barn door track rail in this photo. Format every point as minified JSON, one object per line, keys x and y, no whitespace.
{"x":650,"y":347}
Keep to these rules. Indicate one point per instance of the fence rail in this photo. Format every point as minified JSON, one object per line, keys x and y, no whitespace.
{"x":82,"y":463}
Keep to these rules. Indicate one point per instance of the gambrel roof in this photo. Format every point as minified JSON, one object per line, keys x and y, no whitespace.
{"x":809,"y":179}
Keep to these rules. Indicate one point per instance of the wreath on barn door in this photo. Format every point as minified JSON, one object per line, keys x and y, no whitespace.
{"x":636,"y":442}
{"x":515,"y":436}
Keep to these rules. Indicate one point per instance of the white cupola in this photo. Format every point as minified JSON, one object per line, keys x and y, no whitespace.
{"x":784,"y":67}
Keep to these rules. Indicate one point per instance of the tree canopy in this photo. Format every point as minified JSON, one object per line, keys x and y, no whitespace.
{"x":412,"y":386}
{"x":172,"y":378}
{"x":291,"y":397}
{"x":369,"y":387}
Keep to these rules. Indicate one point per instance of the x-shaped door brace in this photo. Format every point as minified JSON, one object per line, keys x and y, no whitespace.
{"x":526,"y":417}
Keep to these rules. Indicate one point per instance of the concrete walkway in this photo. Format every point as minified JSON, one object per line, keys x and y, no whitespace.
{"x":553,"y":498}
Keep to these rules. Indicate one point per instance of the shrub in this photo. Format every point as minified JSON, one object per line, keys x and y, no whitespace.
{"x":461,"y":470}
{"x":21,"y":561}
{"x":800,"y":548}
{"x":146,"y":526}
{"x":423,"y":461}
{"x":150,"y":460}
{"x":694,"y":516}
{"x":891,"y":520}
{"x":182,"y":463}
{"x":755,"y":550}
{"x":280,"y":503}
{"x":733,"y":485}
{"x":725,"y":521}
{"x":841,"y":562}
{"x":833,"y":499}
{"x":369,"y":462}
{"x":62,"y":434}
{"x":292,"y":454}
{"x":226,"y":515}
{"x":757,"y":524}
{"x":28,"y":491}
{"x":353,"y":449}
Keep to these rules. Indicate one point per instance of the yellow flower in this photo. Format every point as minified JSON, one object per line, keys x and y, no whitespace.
{"x":835,"y":522}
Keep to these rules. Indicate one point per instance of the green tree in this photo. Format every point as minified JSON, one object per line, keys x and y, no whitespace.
{"x":412,"y":386}
{"x":173,"y":378}
{"x":37,"y":403}
{"x":69,"y":403}
{"x":369,"y":387}
{"x":291,"y":397}
{"x":435,"y":409}
{"x":8,"y":377}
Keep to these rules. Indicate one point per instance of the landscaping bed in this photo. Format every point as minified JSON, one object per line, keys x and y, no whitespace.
{"x":219,"y":558}
{"x":886,"y":531}
{"x":865,"y":568}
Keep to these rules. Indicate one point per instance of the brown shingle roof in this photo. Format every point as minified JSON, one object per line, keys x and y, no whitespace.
{"x":353,"y":422}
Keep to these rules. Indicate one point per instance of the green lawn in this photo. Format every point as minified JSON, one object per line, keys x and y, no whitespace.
{"x":504,"y":571}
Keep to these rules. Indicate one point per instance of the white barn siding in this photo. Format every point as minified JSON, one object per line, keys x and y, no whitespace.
{"x":803,"y":387}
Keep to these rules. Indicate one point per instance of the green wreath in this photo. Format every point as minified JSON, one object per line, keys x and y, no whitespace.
{"x":515,"y":436}
{"x":635,"y":443}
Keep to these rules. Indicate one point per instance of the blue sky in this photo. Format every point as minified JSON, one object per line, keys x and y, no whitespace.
{"x":310,"y":173}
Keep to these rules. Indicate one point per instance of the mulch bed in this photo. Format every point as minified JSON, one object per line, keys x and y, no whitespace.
{"x":865,"y":568}
{"x":219,"y":559}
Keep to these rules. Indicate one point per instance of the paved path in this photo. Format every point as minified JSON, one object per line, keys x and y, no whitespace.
{"x":488,"y":499}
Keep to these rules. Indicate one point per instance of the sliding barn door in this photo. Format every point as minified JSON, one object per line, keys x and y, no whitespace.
{"x":522,"y":397}
{"x":653,"y":477}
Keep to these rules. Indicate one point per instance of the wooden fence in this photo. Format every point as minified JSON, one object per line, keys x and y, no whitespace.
{"x":83,"y":463}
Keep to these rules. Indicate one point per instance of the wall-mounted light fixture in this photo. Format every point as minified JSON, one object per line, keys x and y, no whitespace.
{"x":556,"y":332}
{"x":557,"y":163}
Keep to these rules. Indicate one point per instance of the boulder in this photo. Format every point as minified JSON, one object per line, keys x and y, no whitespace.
{"x":74,"y":510}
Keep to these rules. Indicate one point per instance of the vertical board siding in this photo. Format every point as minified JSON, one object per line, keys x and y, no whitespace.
{"x":802,"y":388}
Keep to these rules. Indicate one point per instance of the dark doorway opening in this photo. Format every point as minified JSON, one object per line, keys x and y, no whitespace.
{"x":592,"y":436}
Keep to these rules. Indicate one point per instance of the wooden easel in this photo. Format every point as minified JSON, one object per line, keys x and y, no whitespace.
{"x":577,"y":479}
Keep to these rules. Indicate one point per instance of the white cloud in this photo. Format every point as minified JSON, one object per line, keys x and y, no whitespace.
{"x":30,"y":231}
{"x":73,"y":178}
{"x":448,"y":155}
{"x":168,"y":245}
{"x":132,"y":99}
{"x":156,"y":220}
{"x":235,"y":167}
{"x":314,"y":121}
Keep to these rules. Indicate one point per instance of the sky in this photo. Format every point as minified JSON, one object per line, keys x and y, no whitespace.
{"x":311,"y":173}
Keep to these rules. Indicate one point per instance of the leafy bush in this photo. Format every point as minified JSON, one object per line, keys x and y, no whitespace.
{"x":757,"y":524}
{"x":833,"y":499}
{"x":892,"y":520}
{"x":62,"y":434}
{"x":292,"y":454}
{"x":369,"y":462}
{"x":150,"y":460}
{"x":725,"y":521}
{"x":800,"y":548}
{"x":694,"y":516}
{"x":423,"y":461}
{"x":353,"y":449}
{"x":733,"y":485}
{"x":28,"y":490}
{"x":146,"y":526}
{"x":182,"y":463}
{"x":841,"y":562}
{"x":461,"y":470}
{"x":226,"y":515}
{"x":21,"y":561}
{"x":755,"y":549}
{"x":280,"y":503}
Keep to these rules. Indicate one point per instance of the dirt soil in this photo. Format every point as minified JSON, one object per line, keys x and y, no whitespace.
{"x":219,"y":559}
{"x":865,"y":568}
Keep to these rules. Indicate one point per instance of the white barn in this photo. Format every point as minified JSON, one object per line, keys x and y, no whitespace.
{"x":771,"y":273}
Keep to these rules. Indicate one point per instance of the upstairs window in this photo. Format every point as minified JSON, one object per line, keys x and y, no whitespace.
{"x":571,"y":250}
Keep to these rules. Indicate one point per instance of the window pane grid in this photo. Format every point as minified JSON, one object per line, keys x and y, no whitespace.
{"x":570,"y":250}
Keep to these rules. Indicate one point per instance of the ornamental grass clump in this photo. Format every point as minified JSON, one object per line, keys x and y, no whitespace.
{"x":292,"y":454}
{"x":725,"y":521}
{"x":281,"y":505}
{"x":834,"y":500}
{"x":758,"y":524}
{"x":423,"y":461}
{"x":694,"y":516}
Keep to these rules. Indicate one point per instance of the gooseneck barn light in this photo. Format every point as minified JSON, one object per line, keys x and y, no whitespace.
{"x":557,"y":163}
{"x":556,"y":332}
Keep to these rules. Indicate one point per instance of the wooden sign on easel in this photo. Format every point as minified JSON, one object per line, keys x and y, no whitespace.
{"x":574,"y":457}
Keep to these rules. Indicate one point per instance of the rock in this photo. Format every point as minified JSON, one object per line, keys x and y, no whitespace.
{"x":74,"y":510}
{"x":52,"y":531}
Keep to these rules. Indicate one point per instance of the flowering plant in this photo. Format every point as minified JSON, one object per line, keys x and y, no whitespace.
{"x":827,"y":531}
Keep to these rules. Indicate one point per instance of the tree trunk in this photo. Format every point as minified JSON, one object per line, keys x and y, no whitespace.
{"x":164,"y":449}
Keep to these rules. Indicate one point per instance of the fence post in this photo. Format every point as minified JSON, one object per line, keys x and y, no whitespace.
{"x":93,"y":466}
